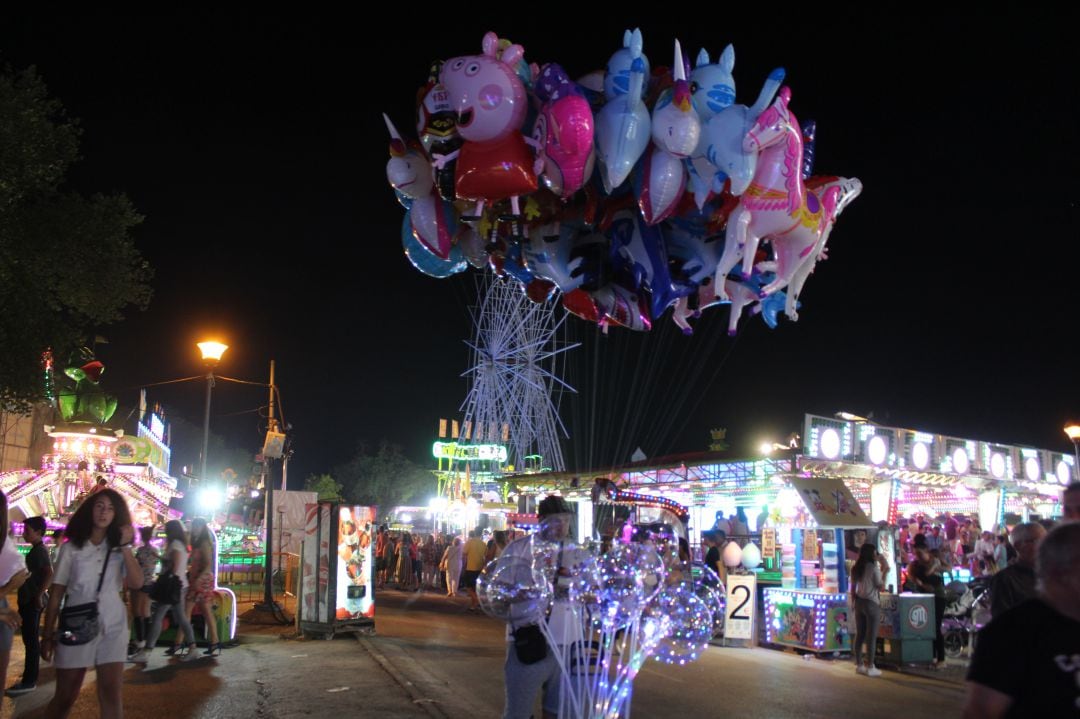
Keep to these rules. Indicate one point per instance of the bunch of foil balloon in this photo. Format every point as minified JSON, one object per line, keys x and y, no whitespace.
{"x":628,"y":192}
{"x":604,"y":614}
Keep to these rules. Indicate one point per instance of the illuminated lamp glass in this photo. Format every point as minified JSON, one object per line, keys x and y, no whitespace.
{"x":997,"y":465}
{"x":1031,"y":469}
{"x":1064,"y":472}
{"x":920,"y":455}
{"x":877,"y":450}
{"x":830,"y":444}
{"x":960,"y":460}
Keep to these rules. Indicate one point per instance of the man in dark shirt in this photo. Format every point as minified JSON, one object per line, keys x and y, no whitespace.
{"x":1027,"y":661}
{"x":31,"y":601}
{"x":1016,"y":583}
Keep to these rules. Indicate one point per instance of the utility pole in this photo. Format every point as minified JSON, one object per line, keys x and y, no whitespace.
{"x":268,"y":515}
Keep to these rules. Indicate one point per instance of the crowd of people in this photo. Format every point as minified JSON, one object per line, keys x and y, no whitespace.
{"x":71,"y":601}
{"x":436,"y":562}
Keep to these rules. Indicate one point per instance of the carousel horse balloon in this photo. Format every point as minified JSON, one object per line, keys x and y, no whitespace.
{"x":488,"y":95}
{"x":430,"y":219}
{"x":675,"y":133}
{"x":564,"y":131}
{"x":777,"y":206}
{"x":850,"y":188}
{"x":623,"y":125}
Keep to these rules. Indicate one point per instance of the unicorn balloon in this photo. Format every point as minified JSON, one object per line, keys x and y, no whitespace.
{"x":430,"y":219}
{"x":740,"y":294}
{"x":485,"y":91}
{"x":777,"y":205}
{"x":622,"y":125}
{"x":675,"y":133}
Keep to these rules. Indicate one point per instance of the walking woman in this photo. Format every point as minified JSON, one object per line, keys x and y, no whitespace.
{"x":201,"y":582}
{"x":866,"y":585}
{"x":13,"y":568}
{"x":176,"y":559}
{"x":97,"y":553}
{"x":148,"y":558}
{"x":451,"y":561}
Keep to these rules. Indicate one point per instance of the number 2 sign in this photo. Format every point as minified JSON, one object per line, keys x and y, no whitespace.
{"x":741,"y":605}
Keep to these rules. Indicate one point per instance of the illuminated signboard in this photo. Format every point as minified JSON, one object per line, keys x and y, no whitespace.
{"x":453,"y":450}
{"x":158,"y":454}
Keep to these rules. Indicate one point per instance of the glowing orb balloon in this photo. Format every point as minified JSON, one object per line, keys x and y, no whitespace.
{"x":511,"y":588}
{"x":690,"y":624}
{"x":622,"y":590}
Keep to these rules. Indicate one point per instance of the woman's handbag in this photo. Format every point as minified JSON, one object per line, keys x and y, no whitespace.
{"x":166,"y":588}
{"x":79,"y":624}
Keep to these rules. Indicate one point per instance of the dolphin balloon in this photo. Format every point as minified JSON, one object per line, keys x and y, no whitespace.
{"x":623,"y":125}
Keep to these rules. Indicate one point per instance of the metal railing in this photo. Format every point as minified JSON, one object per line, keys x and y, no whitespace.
{"x":245,"y":573}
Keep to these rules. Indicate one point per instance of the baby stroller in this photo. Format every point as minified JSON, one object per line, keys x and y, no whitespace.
{"x":966,"y":612}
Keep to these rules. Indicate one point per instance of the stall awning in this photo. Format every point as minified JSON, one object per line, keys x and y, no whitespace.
{"x":830,"y":502}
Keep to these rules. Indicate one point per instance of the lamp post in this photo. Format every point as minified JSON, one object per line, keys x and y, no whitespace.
{"x":211,"y":355}
{"x":1072,"y":431}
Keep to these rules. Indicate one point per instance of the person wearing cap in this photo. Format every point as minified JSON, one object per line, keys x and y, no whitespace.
{"x":525,"y":672}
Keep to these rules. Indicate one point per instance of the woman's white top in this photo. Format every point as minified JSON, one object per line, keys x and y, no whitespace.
{"x":79,"y":569}
{"x":10,"y":561}
{"x":177,"y":546}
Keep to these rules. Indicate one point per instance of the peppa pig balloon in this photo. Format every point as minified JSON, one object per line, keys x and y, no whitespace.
{"x":489,"y":98}
{"x":623,"y":124}
{"x":564,"y":131}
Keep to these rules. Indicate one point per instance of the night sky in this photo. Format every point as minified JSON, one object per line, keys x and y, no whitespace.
{"x":255,"y":147}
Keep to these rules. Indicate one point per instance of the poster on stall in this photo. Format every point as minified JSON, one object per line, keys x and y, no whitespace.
{"x":768,"y":542}
{"x":741,"y":606}
{"x":809,"y":549}
{"x":315,"y":574}
{"x":837,"y":636}
{"x":355,"y":586}
{"x":830,"y":502}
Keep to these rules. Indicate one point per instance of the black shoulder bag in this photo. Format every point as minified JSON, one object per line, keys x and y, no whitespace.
{"x":166,"y":588}
{"x":79,"y":624}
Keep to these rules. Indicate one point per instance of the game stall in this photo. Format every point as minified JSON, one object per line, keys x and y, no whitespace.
{"x":809,"y":610}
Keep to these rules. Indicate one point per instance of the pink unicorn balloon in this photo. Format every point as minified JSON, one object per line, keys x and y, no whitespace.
{"x":489,"y":98}
{"x":777,"y":206}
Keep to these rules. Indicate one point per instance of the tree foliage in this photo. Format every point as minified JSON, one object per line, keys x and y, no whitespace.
{"x":385,"y":478}
{"x":68,"y":263}
{"x":328,"y":488}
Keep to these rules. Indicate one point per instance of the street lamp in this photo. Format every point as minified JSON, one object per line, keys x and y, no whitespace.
{"x":211,"y":355}
{"x":1072,"y":431}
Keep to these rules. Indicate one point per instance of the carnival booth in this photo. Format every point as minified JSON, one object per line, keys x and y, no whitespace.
{"x":337,"y":569}
{"x":809,"y":610}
